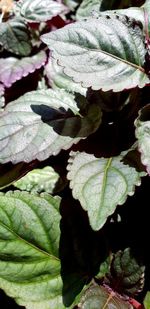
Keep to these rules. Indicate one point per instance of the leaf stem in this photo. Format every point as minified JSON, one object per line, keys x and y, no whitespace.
{"x":1,"y":17}
{"x":135,"y":303}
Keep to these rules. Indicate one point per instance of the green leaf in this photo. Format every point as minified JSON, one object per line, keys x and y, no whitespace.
{"x":126,"y":275}
{"x":100,"y":297}
{"x":14,"y":37}
{"x":103,"y":53}
{"x":142,"y":132}
{"x":58,"y":79}
{"x":39,"y":10}
{"x":29,"y":245}
{"x":41,"y":123}
{"x":100,"y":184}
{"x":147,"y":301}
{"x":39,"y":180}
{"x":14,"y":69}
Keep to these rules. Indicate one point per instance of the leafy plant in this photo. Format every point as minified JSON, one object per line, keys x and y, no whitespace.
{"x":74,"y":147}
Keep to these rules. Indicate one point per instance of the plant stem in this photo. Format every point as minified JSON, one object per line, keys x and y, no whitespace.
{"x":1,"y":17}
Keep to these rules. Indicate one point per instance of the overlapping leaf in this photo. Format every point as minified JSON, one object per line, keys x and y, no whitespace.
{"x":2,"y":100}
{"x":100,"y":297}
{"x":143,"y":135}
{"x":14,"y":69}
{"x":147,"y":301}
{"x":41,"y":123}
{"x":10,"y":173}
{"x":103,"y":53}
{"x":14,"y":37}
{"x":100,"y":184}
{"x":87,"y":8}
{"x":39,"y":10}
{"x":29,"y":244}
{"x":39,"y":180}
{"x":57,"y":78}
{"x":126,"y":275}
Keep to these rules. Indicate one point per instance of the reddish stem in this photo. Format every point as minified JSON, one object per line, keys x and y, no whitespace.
{"x":135,"y":304}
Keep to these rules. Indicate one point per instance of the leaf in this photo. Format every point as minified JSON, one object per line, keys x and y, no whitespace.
{"x":2,"y":99}
{"x":10,"y":173}
{"x":40,"y":10}
{"x":100,"y":297}
{"x":87,"y":7}
{"x":14,"y":37}
{"x":147,"y":301}
{"x":41,"y":123}
{"x":57,"y":78}
{"x":14,"y":69}
{"x":104,"y":53}
{"x":142,"y":132}
{"x":29,"y":244}
{"x":72,"y":4}
{"x":39,"y":180}
{"x":100,"y":184}
{"x":126,"y":275}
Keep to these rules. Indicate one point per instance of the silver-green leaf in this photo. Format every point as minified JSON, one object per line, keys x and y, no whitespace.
{"x":100,"y":184}
{"x":105,"y":53}
{"x":58,"y":79}
{"x":42,"y":123}
{"x":14,"y":37}
{"x":39,"y":10}
{"x":142,"y":132}
{"x":39,"y":180}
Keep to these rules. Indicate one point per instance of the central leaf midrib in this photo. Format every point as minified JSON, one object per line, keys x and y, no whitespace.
{"x":30,"y":244}
{"x":104,"y":182}
{"x":111,"y":56}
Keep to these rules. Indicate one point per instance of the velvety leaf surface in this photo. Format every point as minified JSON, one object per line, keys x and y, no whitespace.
{"x":40,"y":10}
{"x":38,"y":180}
{"x":14,"y":69}
{"x":29,"y":244}
{"x":58,"y":79}
{"x":147,"y":301}
{"x":41,"y":123}
{"x":14,"y":37}
{"x":143,"y":135}
{"x":100,"y":184}
{"x":103,"y":53}
{"x":126,"y":275}
{"x":100,"y":297}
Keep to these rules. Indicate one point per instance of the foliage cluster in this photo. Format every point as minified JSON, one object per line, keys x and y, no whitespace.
{"x":74,"y":146}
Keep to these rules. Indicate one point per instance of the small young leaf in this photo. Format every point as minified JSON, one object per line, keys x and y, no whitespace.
{"x":126,"y":276}
{"x":14,"y":37}
{"x":58,"y":79}
{"x":41,"y":123}
{"x":147,"y":301}
{"x":100,"y":297}
{"x":14,"y":69}
{"x":142,"y":132}
{"x":29,"y":245}
{"x":105,"y":53}
{"x":100,"y":184}
{"x":40,"y":10}
{"x":38,"y":180}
